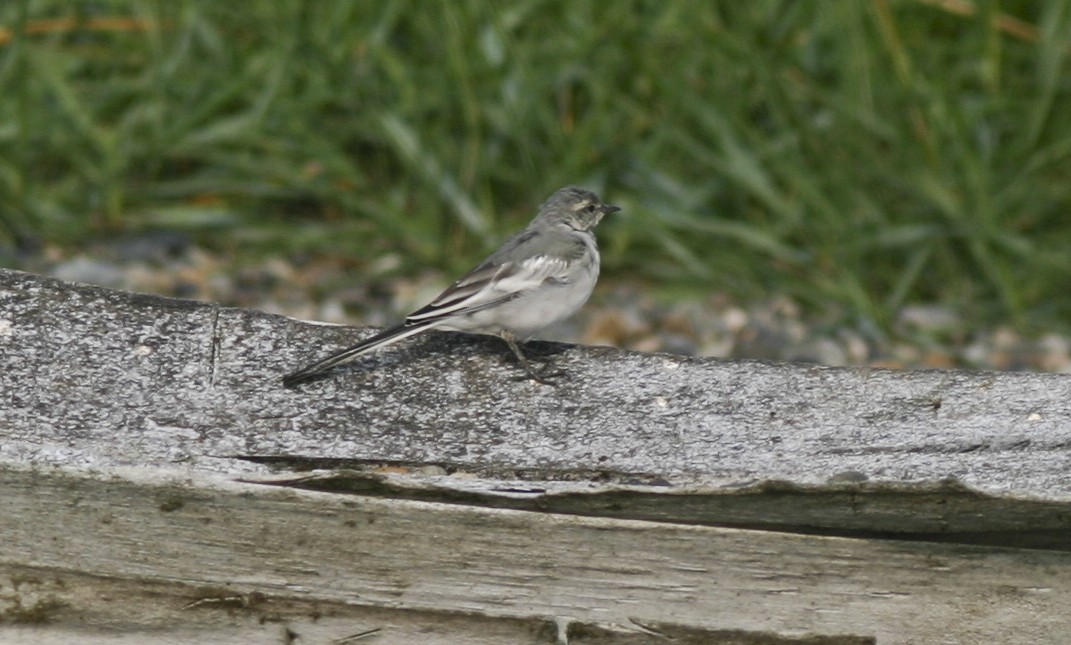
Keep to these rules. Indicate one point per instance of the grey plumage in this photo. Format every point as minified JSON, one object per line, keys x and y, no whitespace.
{"x":536,"y":278}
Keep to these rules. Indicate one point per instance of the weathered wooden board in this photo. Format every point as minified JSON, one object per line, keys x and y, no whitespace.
{"x":98,"y":378}
{"x":150,"y":460}
{"x":43,"y":606}
{"x":231,"y":539}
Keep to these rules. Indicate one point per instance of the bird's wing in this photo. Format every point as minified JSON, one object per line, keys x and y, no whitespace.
{"x":490,"y":284}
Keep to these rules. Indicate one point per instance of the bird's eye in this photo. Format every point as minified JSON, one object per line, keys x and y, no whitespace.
{"x":590,"y":208}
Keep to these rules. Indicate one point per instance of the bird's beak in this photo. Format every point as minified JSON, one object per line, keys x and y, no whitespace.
{"x":609,"y":208}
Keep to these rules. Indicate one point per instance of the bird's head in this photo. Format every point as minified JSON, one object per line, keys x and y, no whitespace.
{"x":577,"y":208}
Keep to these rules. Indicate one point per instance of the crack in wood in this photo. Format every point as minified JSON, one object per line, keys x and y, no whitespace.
{"x":944,"y":512}
{"x":214,"y":351}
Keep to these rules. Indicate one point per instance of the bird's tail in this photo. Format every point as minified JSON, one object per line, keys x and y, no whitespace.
{"x":382,"y":339}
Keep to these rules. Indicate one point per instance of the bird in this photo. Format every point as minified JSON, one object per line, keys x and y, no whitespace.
{"x":538,"y":277}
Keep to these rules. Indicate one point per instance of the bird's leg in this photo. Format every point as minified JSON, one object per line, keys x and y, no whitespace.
{"x":539,"y":377}
{"x":543,"y":356}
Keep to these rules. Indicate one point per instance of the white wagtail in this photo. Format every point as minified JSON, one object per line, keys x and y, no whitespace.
{"x":536,"y":278}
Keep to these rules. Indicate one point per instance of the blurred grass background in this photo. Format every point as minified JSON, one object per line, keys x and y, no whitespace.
{"x":865,"y":155}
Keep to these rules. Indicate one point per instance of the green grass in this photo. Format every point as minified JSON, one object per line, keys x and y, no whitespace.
{"x":859,"y":155}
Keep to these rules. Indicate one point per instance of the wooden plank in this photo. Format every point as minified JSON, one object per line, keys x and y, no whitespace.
{"x":98,"y":378}
{"x":44,"y":606}
{"x":54,"y":607}
{"x":156,"y":410}
{"x":381,"y":553}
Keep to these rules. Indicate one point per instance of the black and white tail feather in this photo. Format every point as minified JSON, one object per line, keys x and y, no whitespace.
{"x":449,"y":305}
{"x":382,"y":339}
{"x":538,"y":277}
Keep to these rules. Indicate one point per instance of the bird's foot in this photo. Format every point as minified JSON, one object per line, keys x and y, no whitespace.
{"x":543,"y":377}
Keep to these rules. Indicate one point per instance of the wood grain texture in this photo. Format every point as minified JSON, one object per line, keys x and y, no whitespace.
{"x":317,"y":547}
{"x":45,"y":606}
{"x":150,"y":459}
{"x":99,"y":378}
